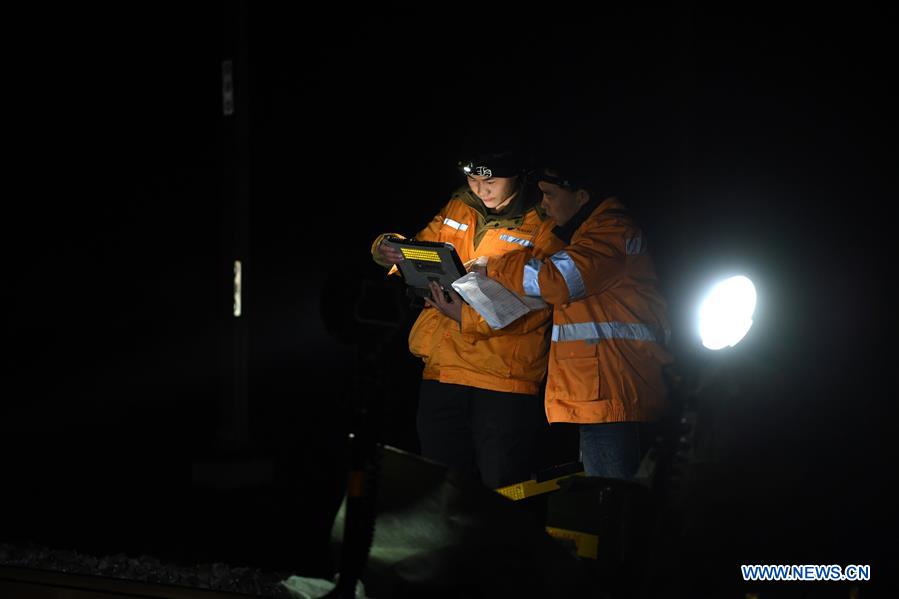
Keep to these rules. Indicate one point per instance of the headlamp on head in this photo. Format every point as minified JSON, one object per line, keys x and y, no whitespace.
{"x":473,"y":170}
{"x":502,"y":165}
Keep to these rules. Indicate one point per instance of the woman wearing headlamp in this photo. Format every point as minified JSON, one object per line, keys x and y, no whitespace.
{"x":479,"y":408}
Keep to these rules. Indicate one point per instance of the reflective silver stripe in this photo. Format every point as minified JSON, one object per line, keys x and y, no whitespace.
{"x":455,"y":224}
{"x":570,"y":273}
{"x":526,"y":243}
{"x":531,"y":283}
{"x":634,"y":245}
{"x":594,"y":332}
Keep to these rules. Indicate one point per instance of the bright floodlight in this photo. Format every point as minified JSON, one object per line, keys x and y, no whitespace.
{"x":725,"y":315}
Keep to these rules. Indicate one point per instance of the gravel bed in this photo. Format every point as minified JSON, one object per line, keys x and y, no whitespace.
{"x":144,"y":568}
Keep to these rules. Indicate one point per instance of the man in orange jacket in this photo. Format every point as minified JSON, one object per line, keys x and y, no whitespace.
{"x":610,"y":329}
{"x":479,"y":406}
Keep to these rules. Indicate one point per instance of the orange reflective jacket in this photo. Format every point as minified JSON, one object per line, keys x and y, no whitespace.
{"x":609,"y":321}
{"x":511,"y":359}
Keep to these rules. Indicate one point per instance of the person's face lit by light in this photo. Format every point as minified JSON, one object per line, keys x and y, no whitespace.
{"x":495,"y":192}
{"x":561,"y":203}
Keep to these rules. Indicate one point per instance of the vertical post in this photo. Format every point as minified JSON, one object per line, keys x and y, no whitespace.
{"x":685,"y":85}
{"x":236,"y":271}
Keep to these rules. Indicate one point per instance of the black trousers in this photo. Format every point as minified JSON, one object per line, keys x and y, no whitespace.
{"x":491,"y":434}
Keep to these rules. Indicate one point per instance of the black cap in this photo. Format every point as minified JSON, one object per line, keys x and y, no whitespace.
{"x":562,"y":180}
{"x":499,"y":164}
{"x":496,"y":148}
{"x":573,"y":168}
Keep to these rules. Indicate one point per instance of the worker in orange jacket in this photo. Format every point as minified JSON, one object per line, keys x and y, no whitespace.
{"x":610,"y":328}
{"x":479,"y":406}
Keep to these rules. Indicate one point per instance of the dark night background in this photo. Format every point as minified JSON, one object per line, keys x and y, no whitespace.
{"x":747,"y":137}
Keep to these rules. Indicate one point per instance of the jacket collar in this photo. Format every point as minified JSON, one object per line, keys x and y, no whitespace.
{"x":598,"y":204}
{"x":513,"y":215}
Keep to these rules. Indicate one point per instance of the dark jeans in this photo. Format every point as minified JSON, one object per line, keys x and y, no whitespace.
{"x":613,"y":449}
{"x":477,"y":431}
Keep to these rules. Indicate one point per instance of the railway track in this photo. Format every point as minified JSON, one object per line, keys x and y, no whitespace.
{"x":27,"y":583}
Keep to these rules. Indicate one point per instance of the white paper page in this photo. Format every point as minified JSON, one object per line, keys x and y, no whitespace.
{"x":497,"y":305}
